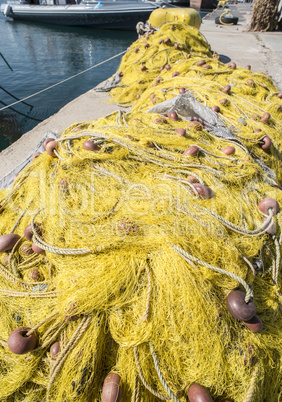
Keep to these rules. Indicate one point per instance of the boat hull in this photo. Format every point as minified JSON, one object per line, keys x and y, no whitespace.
{"x":203,"y":4}
{"x":76,"y":15}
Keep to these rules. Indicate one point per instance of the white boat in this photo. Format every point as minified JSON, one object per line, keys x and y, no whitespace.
{"x":111,"y":14}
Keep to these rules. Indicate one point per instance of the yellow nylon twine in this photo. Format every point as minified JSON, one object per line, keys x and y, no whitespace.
{"x":141,"y":243}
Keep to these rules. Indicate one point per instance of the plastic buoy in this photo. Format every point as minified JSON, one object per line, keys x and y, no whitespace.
{"x":197,"y":393}
{"x":112,"y":388}
{"x":173,"y":116}
{"x":192,"y":179}
{"x":204,"y":191}
{"x":90,"y":146}
{"x":175,"y":74}
{"x":28,"y":232}
{"x":265,"y":117}
{"x":232,"y":65}
{"x":226,"y":89}
{"x":37,"y":249}
{"x":254,"y":324}
{"x":19,"y":343}
{"x":271,"y":228}
{"x":269,"y":203}
{"x":26,"y":249}
{"x":229,"y":150}
{"x":237,"y":306}
{"x":55,"y":350}
{"x":8,"y":241}
{"x":266,"y":142}
{"x":45,"y":142}
{"x":191,"y":151}
{"x":181,"y":132}
{"x":5,"y":260}
{"x":50,"y":147}
{"x":216,"y":109}
{"x":224,"y":102}
{"x":34,"y":274}
{"x":34,"y":156}
{"x":250,"y":83}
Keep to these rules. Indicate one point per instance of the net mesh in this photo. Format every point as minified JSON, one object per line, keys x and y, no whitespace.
{"x":141,"y":243}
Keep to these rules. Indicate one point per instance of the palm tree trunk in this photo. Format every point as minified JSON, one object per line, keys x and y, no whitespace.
{"x":265,"y":15}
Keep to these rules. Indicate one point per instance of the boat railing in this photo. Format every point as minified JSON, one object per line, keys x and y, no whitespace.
{"x":96,"y":2}
{"x":11,"y":2}
{"x":91,"y":2}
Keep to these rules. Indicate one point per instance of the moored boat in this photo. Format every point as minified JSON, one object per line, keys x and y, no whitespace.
{"x":140,"y":252}
{"x":203,"y":4}
{"x":121,"y":14}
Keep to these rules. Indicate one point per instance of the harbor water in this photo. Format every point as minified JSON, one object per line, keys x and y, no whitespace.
{"x":38,"y":56}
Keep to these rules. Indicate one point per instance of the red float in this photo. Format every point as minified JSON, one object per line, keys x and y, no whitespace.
{"x":192,"y":151}
{"x":254,"y":324}
{"x":204,"y":191}
{"x":19,"y":343}
{"x":269,"y":203}
{"x":237,"y":306}
{"x":8,"y":241}
{"x":112,"y":388}
{"x":197,"y":393}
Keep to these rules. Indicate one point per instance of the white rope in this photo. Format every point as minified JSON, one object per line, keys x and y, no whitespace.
{"x":277,"y":261}
{"x":161,"y":378}
{"x":61,"y":82}
{"x":256,"y":232}
{"x":187,"y":257}
{"x":52,"y":249}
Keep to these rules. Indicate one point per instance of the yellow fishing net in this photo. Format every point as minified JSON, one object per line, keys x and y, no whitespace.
{"x":140,"y":241}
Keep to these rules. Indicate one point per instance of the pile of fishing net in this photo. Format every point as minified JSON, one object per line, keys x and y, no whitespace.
{"x":140,"y":254}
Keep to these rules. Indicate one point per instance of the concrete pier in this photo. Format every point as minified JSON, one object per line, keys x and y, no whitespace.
{"x":263,"y":51}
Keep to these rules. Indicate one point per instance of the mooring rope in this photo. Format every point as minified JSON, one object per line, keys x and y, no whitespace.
{"x":61,"y":82}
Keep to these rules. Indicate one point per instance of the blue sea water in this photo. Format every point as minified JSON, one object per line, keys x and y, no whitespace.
{"x":43,"y":55}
